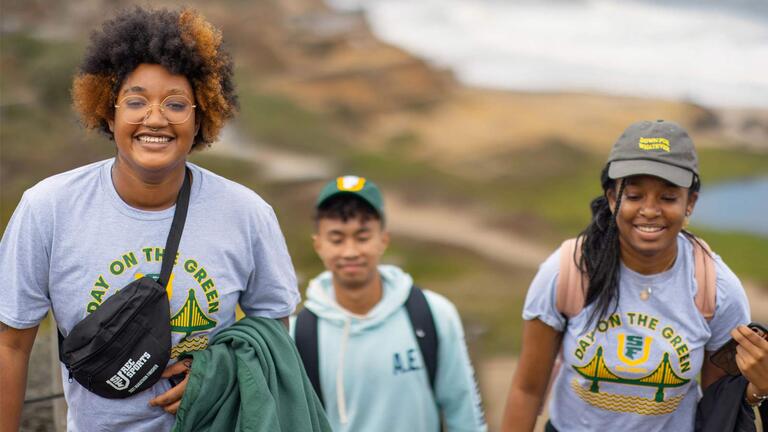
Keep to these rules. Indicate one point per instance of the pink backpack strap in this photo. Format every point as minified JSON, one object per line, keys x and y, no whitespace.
{"x":706,"y":279}
{"x":571,"y":283}
{"x":569,"y":296}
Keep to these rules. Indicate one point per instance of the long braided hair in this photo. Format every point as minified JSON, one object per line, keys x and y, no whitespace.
{"x":600,"y":250}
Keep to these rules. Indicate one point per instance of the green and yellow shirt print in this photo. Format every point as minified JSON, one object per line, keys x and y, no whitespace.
{"x":192,"y":293}
{"x":638,"y":350}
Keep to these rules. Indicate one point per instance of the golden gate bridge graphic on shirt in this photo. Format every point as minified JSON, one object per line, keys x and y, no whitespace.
{"x":189,"y":319}
{"x":661,"y":378}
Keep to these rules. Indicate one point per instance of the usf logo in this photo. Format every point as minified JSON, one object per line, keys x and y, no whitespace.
{"x":633,"y":350}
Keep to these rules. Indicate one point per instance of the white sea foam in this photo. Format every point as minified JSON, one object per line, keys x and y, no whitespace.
{"x":708,"y":52}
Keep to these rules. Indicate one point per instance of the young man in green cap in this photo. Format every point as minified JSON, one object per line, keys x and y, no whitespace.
{"x":382,"y":354}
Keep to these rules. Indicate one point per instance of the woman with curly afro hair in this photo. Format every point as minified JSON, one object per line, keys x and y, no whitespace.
{"x":158,"y":83}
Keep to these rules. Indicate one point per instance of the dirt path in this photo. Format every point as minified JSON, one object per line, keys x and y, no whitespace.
{"x":274,"y":165}
{"x":434,"y":223}
{"x":495,"y":376}
{"x":452,"y":226}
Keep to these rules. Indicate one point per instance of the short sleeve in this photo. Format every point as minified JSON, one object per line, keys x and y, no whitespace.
{"x":540,"y":302}
{"x":272,"y":290}
{"x":24,"y":264}
{"x":731,"y":307}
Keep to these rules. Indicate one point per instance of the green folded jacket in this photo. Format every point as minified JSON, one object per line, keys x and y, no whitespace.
{"x":250,"y":378}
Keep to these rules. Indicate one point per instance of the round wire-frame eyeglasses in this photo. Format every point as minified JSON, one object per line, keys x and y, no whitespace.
{"x":175,"y":108}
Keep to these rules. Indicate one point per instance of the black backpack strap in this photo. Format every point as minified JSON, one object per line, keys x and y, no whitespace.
{"x":305,"y":336}
{"x":424,"y":329}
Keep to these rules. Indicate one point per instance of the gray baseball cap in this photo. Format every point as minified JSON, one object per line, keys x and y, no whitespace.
{"x":659,"y":148}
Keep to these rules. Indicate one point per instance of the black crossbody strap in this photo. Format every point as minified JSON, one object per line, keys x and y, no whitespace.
{"x":305,"y":335}
{"x":177,"y":227}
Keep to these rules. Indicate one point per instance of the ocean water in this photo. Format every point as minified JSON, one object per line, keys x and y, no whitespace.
{"x":740,"y":205}
{"x":711,"y":52}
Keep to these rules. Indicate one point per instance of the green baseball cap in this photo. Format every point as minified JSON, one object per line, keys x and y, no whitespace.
{"x":659,"y":148}
{"x":353,"y":185}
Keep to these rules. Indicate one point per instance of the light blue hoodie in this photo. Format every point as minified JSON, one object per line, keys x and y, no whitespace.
{"x":371,"y":369}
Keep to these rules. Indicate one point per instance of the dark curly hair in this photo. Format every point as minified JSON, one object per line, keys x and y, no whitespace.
{"x":181,"y":41}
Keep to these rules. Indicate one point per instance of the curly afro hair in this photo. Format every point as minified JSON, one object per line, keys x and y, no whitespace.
{"x":181,"y":41}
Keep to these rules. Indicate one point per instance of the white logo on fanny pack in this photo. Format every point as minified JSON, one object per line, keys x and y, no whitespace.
{"x":122,"y":379}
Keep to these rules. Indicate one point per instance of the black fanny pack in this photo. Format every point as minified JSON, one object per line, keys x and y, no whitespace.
{"x":123,"y":347}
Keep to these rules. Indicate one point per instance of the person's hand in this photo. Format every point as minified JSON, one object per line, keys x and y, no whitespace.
{"x":752,"y":358}
{"x":171,"y":399}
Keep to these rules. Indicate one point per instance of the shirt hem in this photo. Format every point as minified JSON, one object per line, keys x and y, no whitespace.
{"x":546,"y":320}
{"x":16,"y":324}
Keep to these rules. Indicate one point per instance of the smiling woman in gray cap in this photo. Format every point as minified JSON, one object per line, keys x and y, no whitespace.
{"x":628,"y":312}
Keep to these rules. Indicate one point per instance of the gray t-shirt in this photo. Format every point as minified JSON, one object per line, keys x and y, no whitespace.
{"x":72,"y":242}
{"x":637,"y":369}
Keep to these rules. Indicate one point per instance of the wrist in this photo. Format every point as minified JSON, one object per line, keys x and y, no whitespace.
{"x":755,"y":389}
{"x":754,"y":395}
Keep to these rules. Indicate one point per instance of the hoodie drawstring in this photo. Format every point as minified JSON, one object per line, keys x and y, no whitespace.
{"x":340,"y":397}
